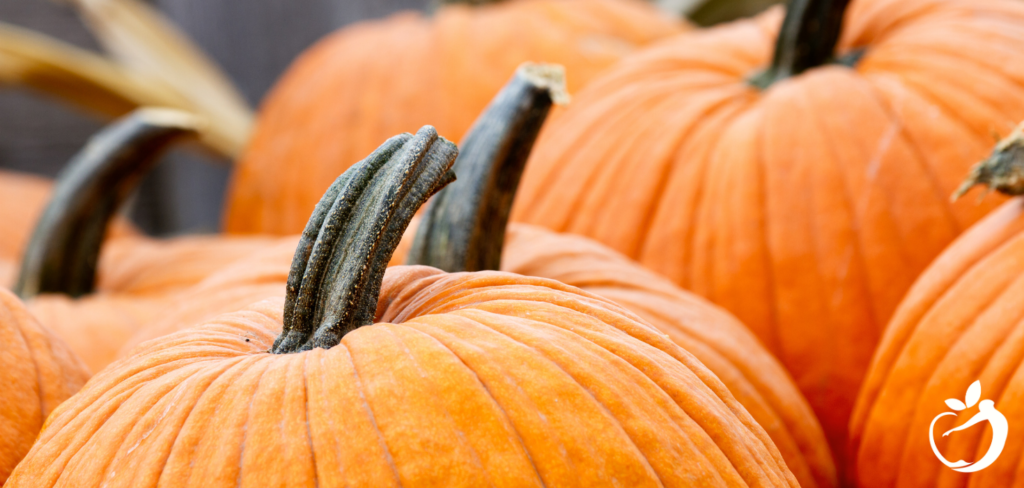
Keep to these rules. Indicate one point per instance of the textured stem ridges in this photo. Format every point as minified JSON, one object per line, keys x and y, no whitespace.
{"x":339,"y":264}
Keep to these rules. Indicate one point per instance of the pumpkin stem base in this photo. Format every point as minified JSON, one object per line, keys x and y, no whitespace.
{"x":807,"y":39}
{"x":1002,"y":171}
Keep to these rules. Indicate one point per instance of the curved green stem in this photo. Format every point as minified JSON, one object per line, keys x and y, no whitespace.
{"x":463,"y":227}
{"x":339,"y":264}
{"x":807,"y":39}
{"x":62,"y":254}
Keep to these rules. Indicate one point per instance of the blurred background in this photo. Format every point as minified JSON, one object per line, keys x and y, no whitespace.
{"x":254,"y":41}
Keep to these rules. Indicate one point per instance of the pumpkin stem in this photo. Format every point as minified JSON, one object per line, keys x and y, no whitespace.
{"x":806,"y":40}
{"x":339,"y":264}
{"x":1003,"y":170}
{"x":463,"y":227}
{"x":62,"y":254}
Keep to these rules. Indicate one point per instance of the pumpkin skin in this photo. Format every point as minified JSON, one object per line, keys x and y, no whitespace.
{"x":959,"y":323}
{"x":38,"y":372}
{"x":467,"y":379}
{"x":144,"y":266}
{"x":138,"y":278}
{"x":713,"y":336}
{"x":259,"y":275}
{"x":441,"y":70}
{"x":806,"y":209}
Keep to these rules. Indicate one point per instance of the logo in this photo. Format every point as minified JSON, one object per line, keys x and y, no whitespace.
{"x":986,"y":413}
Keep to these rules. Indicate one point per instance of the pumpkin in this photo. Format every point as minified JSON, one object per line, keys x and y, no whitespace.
{"x":958,"y":324}
{"x":464,"y":229}
{"x":416,"y":378}
{"x":366,"y":82}
{"x":139,"y":276}
{"x":22,"y":198}
{"x":37,"y":371}
{"x":802,"y":196}
{"x":488,"y":166}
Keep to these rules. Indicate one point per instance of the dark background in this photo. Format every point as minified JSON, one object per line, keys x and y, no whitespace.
{"x":253,"y":40}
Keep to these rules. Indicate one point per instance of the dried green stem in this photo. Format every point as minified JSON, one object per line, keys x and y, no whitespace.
{"x":62,"y":254}
{"x":463,"y":228}
{"x":336,"y":274}
{"x":807,"y":39}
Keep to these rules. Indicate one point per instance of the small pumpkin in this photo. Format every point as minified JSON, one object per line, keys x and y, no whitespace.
{"x":803,"y":190}
{"x":38,"y":372}
{"x":366,"y":82}
{"x":959,"y":323}
{"x":415,"y":378}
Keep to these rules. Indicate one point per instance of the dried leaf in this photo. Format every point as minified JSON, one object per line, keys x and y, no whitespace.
{"x":142,"y":39}
{"x":75,"y":75}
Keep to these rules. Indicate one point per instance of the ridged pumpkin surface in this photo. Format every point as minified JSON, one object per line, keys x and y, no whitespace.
{"x":37,"y":373}
{"x":468,"y":379}
{"x":715,"y":337}
{"x":258,"y":276}
{"x":806,"y":209}
{"x":961,"y":322}
{"x":365,"y":83}
{"x":750,"y":373}
{"x":138,"y":278}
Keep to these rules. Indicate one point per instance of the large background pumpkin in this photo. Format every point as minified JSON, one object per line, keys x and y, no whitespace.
{"x":367,"y":82}
{"x":38,"y":371}
{"x":806,"y":208}
{"x":959,"y":323}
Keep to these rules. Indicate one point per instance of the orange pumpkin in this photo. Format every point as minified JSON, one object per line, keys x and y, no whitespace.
{"x":137,"y":280}
{"x":369,"y":81}
{"x":416,"y":378}
{"x":959,"y":323}
{"x":37,"y":371}
{"x":808,"y":207}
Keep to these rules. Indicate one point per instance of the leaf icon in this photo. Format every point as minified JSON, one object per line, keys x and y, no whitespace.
{"x":973,"y":394}
{"x":955,"y":404}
